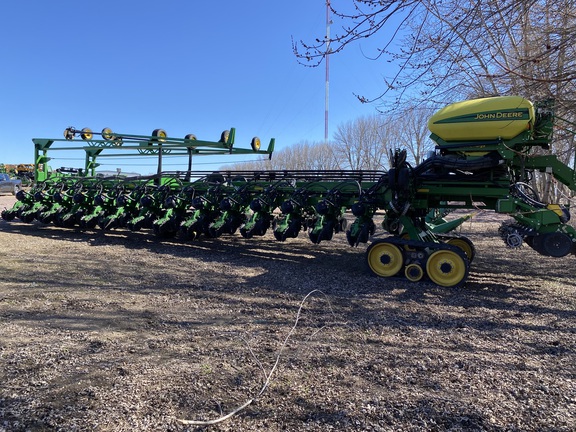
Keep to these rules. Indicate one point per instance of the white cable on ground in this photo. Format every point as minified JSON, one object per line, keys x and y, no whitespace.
{"x":268,"y":376}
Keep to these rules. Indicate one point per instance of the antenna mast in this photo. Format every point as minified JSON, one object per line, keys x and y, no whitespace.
{"x":327,"y":91}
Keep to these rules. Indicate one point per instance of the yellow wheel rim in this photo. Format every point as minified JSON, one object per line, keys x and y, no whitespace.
{"x":86,"y":134}
{"x":224,"y":137}
{"x":446,"y":268}
{"x":107,"y":134}
{"x":160,"y":134}
{"x":413,"y":272}
{"x":385,"y":259}
{"x":464,"y":246}
{"x":255,"y":143}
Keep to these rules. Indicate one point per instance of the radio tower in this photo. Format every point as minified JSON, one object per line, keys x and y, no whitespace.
{"x":327,"y":55}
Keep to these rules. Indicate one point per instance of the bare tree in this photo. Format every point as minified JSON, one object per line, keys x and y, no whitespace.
{"x":362,"y":144}
{"x":409,"y":130}
{"x":300,"y":156}
{"x":260,"y":164}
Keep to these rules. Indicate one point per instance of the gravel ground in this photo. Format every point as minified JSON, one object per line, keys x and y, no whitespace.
{"x":119,"y":331}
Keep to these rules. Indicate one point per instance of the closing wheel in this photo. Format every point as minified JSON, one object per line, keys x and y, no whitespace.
{"x":280,"y":235}
{"x":384,"y":259}
{"x":465,"y":245}
{"x":246,"y":233}
{"x":414,"y":272}
{"x":447,"y":268}
{"x":315,"y":236}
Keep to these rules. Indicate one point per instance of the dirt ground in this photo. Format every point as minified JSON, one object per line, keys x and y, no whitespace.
{"x":119,"y":331}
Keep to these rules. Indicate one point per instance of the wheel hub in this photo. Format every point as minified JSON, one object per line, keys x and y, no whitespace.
{"x":385,"y":259}
{"x":445,"y":267}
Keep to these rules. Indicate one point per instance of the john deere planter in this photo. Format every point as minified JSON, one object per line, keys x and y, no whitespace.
{"x":485,"y":158}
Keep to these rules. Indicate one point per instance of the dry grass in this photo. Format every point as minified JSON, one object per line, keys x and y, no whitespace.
{"x":120,"y":332}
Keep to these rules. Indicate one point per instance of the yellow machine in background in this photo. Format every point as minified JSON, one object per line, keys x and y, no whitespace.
{"x":18,"y":170}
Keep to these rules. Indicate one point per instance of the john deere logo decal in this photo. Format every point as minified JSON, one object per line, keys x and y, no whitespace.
{"x":517,"y":114}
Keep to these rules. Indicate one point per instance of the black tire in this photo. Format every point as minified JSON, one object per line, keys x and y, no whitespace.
{"x":556,"y":244}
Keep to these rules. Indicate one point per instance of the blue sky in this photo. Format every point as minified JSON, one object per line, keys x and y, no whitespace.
{"x":185,"y":66}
